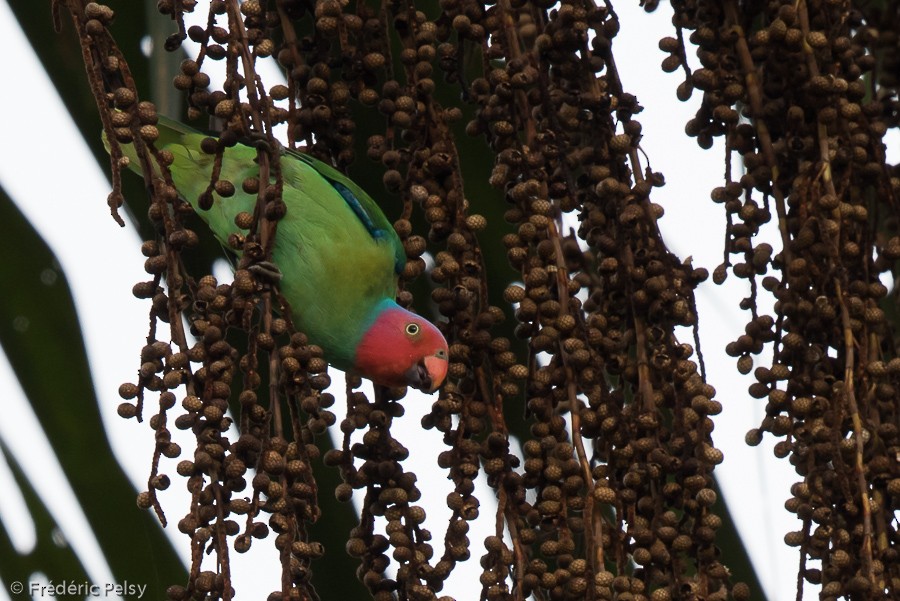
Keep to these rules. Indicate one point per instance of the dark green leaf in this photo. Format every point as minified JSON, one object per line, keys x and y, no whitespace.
{"x":40,"y":334}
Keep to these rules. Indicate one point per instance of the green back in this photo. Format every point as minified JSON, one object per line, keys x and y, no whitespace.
{"x":337,"y":251}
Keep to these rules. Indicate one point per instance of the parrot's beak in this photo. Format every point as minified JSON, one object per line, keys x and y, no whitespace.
{"x":428,"y":374}
{"x":437,"y":370}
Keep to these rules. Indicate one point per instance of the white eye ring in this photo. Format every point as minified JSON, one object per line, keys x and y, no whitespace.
{"x":412,"y":329}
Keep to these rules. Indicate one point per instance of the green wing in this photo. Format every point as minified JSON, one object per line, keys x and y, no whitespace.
{"x":192,"y":170}
{"x":362,"y":205}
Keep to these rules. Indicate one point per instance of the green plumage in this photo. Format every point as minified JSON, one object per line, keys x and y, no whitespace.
{"x":337,"y":252}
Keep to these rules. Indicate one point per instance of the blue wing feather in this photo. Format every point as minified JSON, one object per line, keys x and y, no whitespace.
{"x":357,"y":207}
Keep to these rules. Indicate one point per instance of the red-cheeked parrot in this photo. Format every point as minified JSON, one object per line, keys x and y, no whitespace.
{"x":338,"y":255}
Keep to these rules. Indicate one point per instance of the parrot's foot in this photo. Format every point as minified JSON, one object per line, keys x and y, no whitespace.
{"x":262,"y":142}
{"x":266,"y":271}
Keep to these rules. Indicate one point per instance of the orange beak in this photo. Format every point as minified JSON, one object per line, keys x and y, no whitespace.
{"x":437,"y":370}
{"x":429,"y":373}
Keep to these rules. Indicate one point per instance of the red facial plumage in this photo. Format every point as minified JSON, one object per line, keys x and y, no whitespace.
{"x":402,"y":349}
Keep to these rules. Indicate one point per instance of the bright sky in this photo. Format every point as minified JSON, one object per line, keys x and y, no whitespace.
{"x":60,"y":210}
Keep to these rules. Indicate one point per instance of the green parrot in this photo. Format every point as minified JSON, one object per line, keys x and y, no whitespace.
{"x":338,"y":255}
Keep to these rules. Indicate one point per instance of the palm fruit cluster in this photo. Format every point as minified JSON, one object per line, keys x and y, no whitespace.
{"x":613,"y":498}
{"x":259,"y":485}
{"x":802,"y":94}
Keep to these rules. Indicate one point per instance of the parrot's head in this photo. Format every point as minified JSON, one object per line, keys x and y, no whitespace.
{"x":402,"y":349}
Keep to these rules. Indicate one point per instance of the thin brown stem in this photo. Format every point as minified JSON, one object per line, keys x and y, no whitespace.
{"x":849,"y":393}
{"x":755,"y":94}
{"x":562,"y":284}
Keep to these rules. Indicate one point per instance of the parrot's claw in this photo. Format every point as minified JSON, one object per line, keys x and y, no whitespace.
{"x":266,"y":271}
{"x":262,"y":142}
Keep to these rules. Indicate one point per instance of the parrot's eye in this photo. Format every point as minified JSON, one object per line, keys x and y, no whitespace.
{"x":412,"y":329}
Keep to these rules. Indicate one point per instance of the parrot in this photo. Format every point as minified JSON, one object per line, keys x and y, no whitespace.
{"x":338,"y":256}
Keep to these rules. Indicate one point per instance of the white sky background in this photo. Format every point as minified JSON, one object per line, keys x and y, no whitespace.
{"x":72,"y":201}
